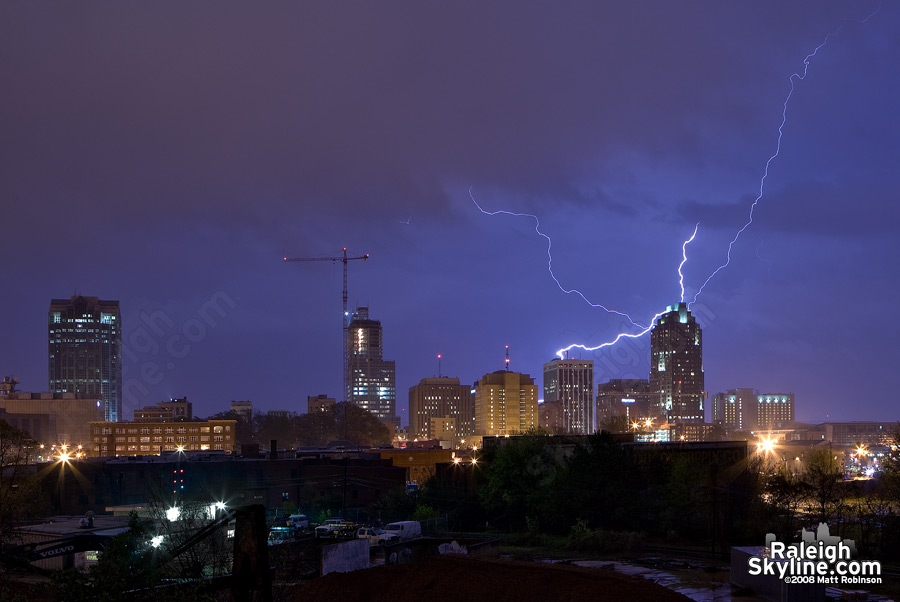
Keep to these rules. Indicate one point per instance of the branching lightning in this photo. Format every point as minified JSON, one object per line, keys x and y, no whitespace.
{"x":644,"y":329}
{"x":684,"y":260}
{"x":793,"y":79}
{"x":537,"y":228}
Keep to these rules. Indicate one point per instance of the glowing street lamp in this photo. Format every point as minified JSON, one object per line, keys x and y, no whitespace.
{"x":766,"y":445}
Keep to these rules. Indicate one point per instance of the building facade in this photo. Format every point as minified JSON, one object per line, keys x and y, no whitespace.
{"x":71,"y":416}
{"x":319,"y":403}
{"x":571,"y":382}
{"x":773,"y":410}
{"x":440,"y":397}
{"x":853,"y":434}
{"x":243,"y":408}
{"x":505,"y":403}
{"x":371,"y":378}
{"x":749,"y":410}
{"x":174,"y":410}
{"x":550,"y":417}
{"x":628,"y":397}
{"x":676,"y":366}
{"x":155,"y":438}
{"x":85,"y":351}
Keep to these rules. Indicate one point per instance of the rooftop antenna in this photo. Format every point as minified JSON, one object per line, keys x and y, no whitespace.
{"x":507,"y":358}
{"x":439,"y":366}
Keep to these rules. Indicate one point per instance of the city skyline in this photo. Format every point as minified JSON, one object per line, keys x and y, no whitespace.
{"x":169,"y":158}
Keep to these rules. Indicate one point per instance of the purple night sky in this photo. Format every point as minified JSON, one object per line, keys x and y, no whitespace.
{"x":169,"y":153}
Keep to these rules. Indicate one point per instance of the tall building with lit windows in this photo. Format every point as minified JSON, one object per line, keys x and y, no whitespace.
{"x":505,"y":403}
{"x":749,"y":410}
{"x":441,"y":403}
{"x":85,"y":351}
{"x":571,"y":383}
{"x":676,"y":366}
{"x":371,"y":378}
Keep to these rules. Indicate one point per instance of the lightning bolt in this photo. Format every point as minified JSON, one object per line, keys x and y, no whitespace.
{"x":537,"y":228}
{"x":684,"y":260}
{"x":644,"y":329}
{"x":793,"y":80}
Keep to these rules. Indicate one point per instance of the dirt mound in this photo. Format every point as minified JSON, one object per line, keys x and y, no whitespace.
{"x":455,"y":578}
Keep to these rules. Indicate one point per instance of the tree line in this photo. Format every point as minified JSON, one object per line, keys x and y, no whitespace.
{"x":340,"y":422}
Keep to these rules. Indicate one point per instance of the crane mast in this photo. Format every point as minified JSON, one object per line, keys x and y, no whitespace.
{"x":345,"y":317}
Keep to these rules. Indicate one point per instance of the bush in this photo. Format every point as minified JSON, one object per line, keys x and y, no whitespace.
{"x":581,"y":537}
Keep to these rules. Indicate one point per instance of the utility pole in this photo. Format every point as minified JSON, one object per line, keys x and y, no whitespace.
{"x":345,"y":317}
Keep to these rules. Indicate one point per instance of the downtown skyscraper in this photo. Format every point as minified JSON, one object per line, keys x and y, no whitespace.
{"x":371,"y":379}
{"x":676,"y":366}
{"x":441,"y":399}
{"x":505,"y":404}
{"x":85,"y":351}
{"x":571,"y":384}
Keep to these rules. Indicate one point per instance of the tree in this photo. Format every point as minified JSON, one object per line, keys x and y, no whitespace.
{"x":344,"y":421}
{"x":18,"y":485}
{"x":614,"y":424}
{"x":243,"y":432}
{"x":278,"y":427}
{"x":890,"y":467}
{"x":784,"y":493}
{"x":519,"y":481}
{"x":823,"y":477}
{"x":359,"y":425}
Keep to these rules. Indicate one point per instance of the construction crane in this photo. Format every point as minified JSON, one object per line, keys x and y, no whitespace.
{"x":345,"y":318}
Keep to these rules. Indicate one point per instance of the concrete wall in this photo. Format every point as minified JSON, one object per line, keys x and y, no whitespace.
{"x":770,"y":587}
{"x":345,"y":556}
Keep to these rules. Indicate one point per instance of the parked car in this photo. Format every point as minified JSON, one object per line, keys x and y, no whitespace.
{"x":376,"y":537}
{"x":298,"y":521}
{"x":335,"y":527}
{"x":405,"y":529}
{"x":279,"y":535}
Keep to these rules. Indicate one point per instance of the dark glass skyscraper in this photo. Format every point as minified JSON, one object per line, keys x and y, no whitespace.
{"x":676,"y":366}
{"x":371,"y":378}
{"x":85,"y":349}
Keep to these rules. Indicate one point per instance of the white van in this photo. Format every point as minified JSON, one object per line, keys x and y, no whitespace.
{"x":299,"y":522}
{"x":405,"y":529}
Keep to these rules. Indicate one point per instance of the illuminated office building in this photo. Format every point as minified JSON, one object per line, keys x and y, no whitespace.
{"x":749,"y":410}
{"x":571,"y":383}
{"x":628,"y":397}
{"x":85,"y":349}
{"x":434,"y":402}
{"x":371,"y":378}
{"x":676,"y":366}
{"x":505,"y":403}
